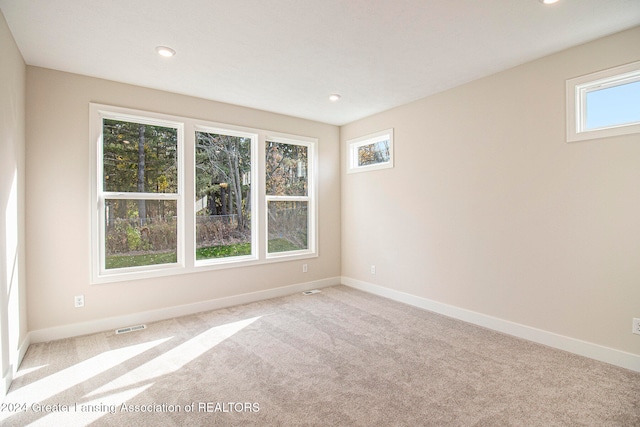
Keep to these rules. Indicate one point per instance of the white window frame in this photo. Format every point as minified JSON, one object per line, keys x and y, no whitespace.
{"x":186,"y":228}
{"x":576,"y":97}
{"x":354,"y":144}
{"x":310,"y":198}
{"x":254,"y":136}
{"x":99,"y":272}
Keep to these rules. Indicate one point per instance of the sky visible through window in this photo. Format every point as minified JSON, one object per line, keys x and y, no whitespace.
{"x":617,"y":105}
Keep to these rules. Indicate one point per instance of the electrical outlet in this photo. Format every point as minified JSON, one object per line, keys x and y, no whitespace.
{"x":373,"y":269}
{"x":304,"y":268}
{"x":636,"y":326}
{"x":78,"y":301}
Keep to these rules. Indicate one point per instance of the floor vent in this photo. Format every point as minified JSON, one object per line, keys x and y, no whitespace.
{"x":130,"y":329}
{"x":311,"y":292}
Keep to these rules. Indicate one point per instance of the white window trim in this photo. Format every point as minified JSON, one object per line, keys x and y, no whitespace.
{"x":186,"y":262}
{"x":310,"y":198}
{"x":576,"y":91}
{"x":99,"y":273}
{"x":354,"y":144}
{"x":255,"y":137}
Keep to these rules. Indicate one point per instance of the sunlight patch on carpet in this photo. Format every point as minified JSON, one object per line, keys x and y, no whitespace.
{"x":85,"y":413}
{"x":26,"y":371}
{"x":176,"y":358}
{"x":65,"y":379}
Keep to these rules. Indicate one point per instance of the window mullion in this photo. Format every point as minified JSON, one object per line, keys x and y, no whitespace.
{"x":130,"y":224}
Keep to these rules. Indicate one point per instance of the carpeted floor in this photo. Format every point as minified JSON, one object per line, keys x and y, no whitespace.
{"x":338,"y":358}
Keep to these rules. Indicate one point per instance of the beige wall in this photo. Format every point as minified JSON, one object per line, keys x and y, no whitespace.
{"x":13,"y":317}
{"x":489,"y":209}
{"x":58,"y":204}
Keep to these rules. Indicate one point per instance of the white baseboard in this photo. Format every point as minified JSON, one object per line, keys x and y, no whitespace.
{"x":100,"y":325}
{"x":572,"y":345}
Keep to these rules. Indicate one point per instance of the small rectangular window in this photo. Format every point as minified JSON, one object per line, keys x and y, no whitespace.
{"x":613,"y":106}
{"x":603,"y":104}
{"x":370,"y":152}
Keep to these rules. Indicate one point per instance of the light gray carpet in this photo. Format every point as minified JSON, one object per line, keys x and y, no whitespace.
{"x":338,"y":358}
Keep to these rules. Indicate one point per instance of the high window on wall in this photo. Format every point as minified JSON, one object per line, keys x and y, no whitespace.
{"x":370,"y":152}
{"x":603,"y":104}
{"x":174,"y":195}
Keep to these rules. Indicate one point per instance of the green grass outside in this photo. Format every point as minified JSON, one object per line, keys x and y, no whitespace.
{"x":223,"y":251}
{"x":282,"y":245}
{"x":122,"y":261}
{"x":212,"y":252}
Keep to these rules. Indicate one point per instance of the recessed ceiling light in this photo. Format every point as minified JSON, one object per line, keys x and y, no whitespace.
{"x":334,"y":97}
{"x":165,"y":51}
{"x":548,"y":1}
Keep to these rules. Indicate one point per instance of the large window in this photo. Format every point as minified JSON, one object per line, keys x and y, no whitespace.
{"x":139,"y":194}
{"x":602,"y":104}
{"x":224,"y":222}
{"x":288,"y":196}
{"x":145,"y":164}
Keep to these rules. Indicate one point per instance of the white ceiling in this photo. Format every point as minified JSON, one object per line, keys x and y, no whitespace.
{"x":288,"y":56}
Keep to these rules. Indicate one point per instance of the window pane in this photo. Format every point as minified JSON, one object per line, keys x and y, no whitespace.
{"x":375,"y":153}
{"x":140,"y":232}
{"x":286,"y":169}
{"x":139,"y":158}
{"x":617,"y":105}
{"x":288,"y":226}
{"x":223,"y":196}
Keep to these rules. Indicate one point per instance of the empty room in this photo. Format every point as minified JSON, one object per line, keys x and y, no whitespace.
{"x":322,"y":213}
